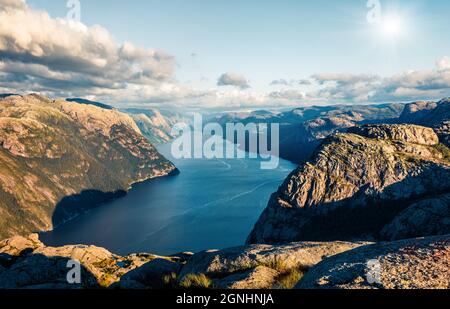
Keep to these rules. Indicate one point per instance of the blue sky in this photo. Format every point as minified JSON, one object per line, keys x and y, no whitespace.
{"x":266,"y":40}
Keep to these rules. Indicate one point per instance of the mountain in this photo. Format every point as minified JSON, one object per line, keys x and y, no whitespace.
{"x":156,"y":124}
{"x":432,"y":114}
{"x":356,"y":184}
{"x":303,"y":129}
{"x":155,"y":127}
{"x":59,"y":158}
{"x":88,"y":102}
{"x":5,"y":95}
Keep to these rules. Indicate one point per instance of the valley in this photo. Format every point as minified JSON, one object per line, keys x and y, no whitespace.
{"x":368,"y":188}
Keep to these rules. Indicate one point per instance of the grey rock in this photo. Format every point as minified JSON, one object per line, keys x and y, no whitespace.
{"x":432,"y":114}
{"x":354,"y":185}
{"x":282,"y":257}
{"x":260,"y":277}
{"x":28,"y":263}
{"x":404,"y":133}
{"x":425,"y":218}
{"x":421,"y":263}
{"x":39,"y":269}
{"x":149,"y":275}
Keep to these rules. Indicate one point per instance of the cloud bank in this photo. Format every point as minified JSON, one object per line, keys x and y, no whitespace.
{"x":62,"y":58}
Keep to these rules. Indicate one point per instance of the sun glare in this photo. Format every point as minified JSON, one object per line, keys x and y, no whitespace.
{"x":392,"y":27}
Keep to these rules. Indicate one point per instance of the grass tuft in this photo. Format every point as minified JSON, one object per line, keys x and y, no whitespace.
{"x":196,"y":281}
{"x":289,"y":279}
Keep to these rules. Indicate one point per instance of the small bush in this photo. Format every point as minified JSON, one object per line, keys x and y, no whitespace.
{"x":276,"y":264}
{"x":444,"y":150}
{"x":196,"y":281}
{"x":170,"y":281}
{"x":289,"y":279}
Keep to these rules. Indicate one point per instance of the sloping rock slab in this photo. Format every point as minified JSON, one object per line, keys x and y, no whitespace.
{"x":149,"y":275}
{"x":260,"y":277}
{"x":238,"y":259}
{"x":421,"y":263}
{"x":429,"y":217}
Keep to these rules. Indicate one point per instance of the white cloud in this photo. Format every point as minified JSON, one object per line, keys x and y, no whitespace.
{"x":233,"y":79}
{"x":290,"y":82}
{"x":443,"y":64}
{"x":288,"y":94}
{"x":405,"y":86}
{"x":38,"y":49}
{"x":62,"y":58}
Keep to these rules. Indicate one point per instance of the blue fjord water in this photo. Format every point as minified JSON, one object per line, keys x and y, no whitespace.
{"x":211,"y":204}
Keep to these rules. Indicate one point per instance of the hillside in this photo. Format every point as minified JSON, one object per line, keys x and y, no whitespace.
{"x":356,"y":183}
{"x":52,"y":151}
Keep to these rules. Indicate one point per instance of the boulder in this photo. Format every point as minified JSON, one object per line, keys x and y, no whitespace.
{"x":150,"y":275}
{"x":27,"y":263}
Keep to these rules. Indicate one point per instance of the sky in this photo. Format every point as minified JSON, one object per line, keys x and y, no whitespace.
{"x":227,"y":53}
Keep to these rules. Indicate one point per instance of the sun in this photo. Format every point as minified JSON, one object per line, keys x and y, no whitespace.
{"x":392,"y":27}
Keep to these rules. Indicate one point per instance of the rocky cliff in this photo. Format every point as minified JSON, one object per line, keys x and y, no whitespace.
{"x":155,"y":128}
{"x":58,"y":158}
{"x":156,"y":124}
{"x":431,"y":114}
{"x":356,"y":184}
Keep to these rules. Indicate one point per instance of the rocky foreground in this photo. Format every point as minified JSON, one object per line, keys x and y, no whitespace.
{"x":56,"y":156}
{"x":416,"y":263}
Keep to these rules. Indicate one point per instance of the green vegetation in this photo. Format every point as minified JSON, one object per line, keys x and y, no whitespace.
{"x":444,"y":150}
{"x":52,"y":154}
{"x":289,"y":279}
{"x":276,"y":264}
{"x":196,"y":281}
{"x":170,"y":281}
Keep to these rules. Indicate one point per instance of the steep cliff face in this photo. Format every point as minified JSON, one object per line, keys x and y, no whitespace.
{"x":155,"y":127}
{"x":50,"y":150}
{"x":431,"y":114}
{"x":355,"y":184}
{"x":156,"y":124}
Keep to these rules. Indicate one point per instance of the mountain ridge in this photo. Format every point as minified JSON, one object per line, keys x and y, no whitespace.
{"x":52,"y":149}
{"x":350,"y":177}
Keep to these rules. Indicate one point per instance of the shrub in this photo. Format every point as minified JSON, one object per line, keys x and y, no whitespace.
{"x":196,"y":281}
{"x":289,"y":279}
{"x":170,"y":281}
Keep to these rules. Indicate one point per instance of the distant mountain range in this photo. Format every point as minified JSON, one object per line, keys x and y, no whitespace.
{"x":303,"y":129}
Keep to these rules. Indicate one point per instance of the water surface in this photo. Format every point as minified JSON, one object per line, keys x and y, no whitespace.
{"x":210,"y":204}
